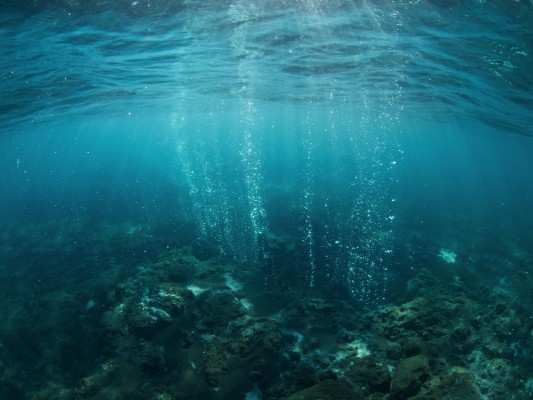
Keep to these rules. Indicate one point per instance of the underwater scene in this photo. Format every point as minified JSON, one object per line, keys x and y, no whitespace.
{"x":266,"y":199}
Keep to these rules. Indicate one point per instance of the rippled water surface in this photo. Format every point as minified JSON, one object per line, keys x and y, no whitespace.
{"x":438,"y":59}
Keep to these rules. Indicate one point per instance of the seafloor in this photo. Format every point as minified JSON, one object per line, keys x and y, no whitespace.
{"x":117,"y":311}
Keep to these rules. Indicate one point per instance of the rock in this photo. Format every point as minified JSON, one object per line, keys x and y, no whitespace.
{"x":151,"y":358}
{"x":411,"y":346}
{"x":147,"y":320}
{"x":415,"y":316}
{"x":216,"y":363}
{"x":409,"y":375}
{"x":311,"y":305}
{"x":254,"y":375}
{"x":369,"y":374}
{"x":173,"y":299}
{"x":328,"y":389}
{"x":114,"y":320}
{"x":218,"y":311}
{"x":87,"y":387}
{"x":145,"y":312}
{"x":394,"y":350}
{"x":456,"y":383}
{"x":304,"y":375}
{"x":259,"y":337}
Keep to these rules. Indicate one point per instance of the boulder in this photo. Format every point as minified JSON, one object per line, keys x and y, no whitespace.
{"x":409,"y":375}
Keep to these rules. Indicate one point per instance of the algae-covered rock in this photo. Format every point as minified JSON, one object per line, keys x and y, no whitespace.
{"x":216,"y":363}
{"x":411,"y":346}
{"x":218,"y":310}
{"x":146,"y":320}
{"x":409,"y":375}
{"x":414,"y":316}
{"x":145,"y":312}
{"x":457,"y":383}
{"x":327,"y":390}
{"x":393,"y":350}
{"x":260,"y":336}
{"x":114,"y":320}
{"x":151,"y":358}
{"x":370,"y":375}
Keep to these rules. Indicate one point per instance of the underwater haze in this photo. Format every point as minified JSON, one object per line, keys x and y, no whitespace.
{"x":266,"y":200}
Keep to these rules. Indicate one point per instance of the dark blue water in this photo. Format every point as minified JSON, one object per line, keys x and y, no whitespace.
{"x":361,"y":158}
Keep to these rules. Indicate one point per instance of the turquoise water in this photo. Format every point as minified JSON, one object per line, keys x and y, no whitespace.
{"x":230,"y":200}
